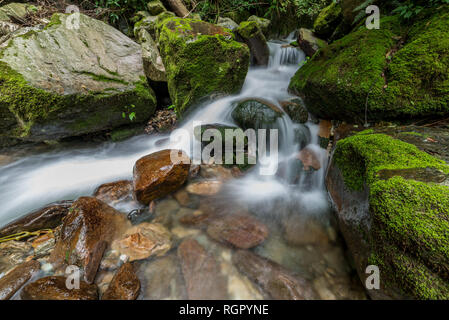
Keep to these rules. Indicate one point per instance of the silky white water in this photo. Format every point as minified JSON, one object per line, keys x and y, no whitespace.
{"x":37,"y":180}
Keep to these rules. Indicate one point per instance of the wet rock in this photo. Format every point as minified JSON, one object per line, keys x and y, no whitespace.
{"x":197,"y":218}
{"x":124,"y":286}
{"x":44,"y":245}
{"x":48,"y":217}
{"x":218,"y":172}
{"x":296,"y":110}
{"x":164,"y":212}
{"x":309,"y":43}
{"x":87,"y":230}
{"x":201,"y":272}
{"x":227,"y":23}
{"x":273,"y":278}
{"x":241,"y":231}
{"x":301,"y":230}
{"x":13,"y":253}
{"x":142,"y":241}
{"x":163,"y":278}
{"x":114,"y":192}
{"x":251,"y":34}
{"x":309,"y":158}
{"x":156,"y":175}
{"x":205,"y":188}
{"x":55,"y":288}
{"x":16,"y":278}
{"x":256,"y":114}
{"x":182,"y":197}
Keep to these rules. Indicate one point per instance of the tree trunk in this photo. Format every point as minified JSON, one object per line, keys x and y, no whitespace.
{"x":179,"y":8}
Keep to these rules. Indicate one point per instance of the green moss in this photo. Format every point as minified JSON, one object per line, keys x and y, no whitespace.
{"x":55,"y":20}
{"x":328,"y":20}
{"x":200,"y":59}
{"x":362,"y":156}
{"x":248,"y":29}
{"x":370,"y":68}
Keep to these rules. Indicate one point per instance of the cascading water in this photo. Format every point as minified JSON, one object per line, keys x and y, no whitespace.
{"x":36,"y":180}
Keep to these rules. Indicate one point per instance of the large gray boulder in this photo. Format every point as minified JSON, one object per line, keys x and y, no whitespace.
{"x":76,"y":76}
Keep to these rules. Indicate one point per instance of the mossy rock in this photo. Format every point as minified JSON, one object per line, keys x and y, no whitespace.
{"x":61,"y":82}
{"x":369,"y":72}
{"x":392,"y":200}
{"x":256,"y":114}
{"x":201,"y":59}
{"x":155,"y":7}
{"x":328,"y":20}
{"x":263,"y":23}
{"x":250,"y":33}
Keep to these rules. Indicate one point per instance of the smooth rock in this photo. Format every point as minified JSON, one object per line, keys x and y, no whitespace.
{"x":201,"y":272}
{"x":114,"y":192}
{"x":254,"y":113}
{"x":309,"y":43}
{"x":309,"y":158}
{"x":124,"y":285}
{"x":279,"y":283}
{"x":241,"y":231}
{"x":205,"y":188}
{"x":54,"y":288}
{"x":156,"y":175}
{"x":16,"y":278}
{"x":142,"y":241}
{"x":13,"y":253}
{"x":227,"y":23}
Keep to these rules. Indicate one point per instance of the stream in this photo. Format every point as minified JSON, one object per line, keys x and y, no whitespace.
{"x":303,"y":234}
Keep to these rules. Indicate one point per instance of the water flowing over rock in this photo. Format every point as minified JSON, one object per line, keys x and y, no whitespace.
{"x":256,"y":114}
{"x":156,"y":175}
{"x":201,"y":59}
{"x":55,"y":288}
{"x":89,"y":227}
{"x":273,"y":278}
{"x":309,"y":159}
{"x":309,"y":43}
{"x":78,"y":79}
{"x":16,"y":278}
{"x":142,"y":241}
{"x":251,"y":34}
{"x":205,"y":188}
{"x":201,"y":272}
{"x":241,"y":231}
{"x":48,"y":217}
{"x":390,"y":217}
{"x":124,"y":286}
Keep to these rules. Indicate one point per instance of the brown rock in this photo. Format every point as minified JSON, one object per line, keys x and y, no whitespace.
{"x":215,"y":171}
{"x":54,"y":288}
{"x":309,"y":43}
{"x":279,"y":283}
{"x":13,"y":253}
{"x":201,"y":272}
{"x":302,"y":230}
{"x":16,"y":278}
{"x":144,"y":240}
{"x":48,"y":217}
{"x":124,"y":286}
{"x":197,"y":218}
{"x":309,"y":158}
{"x":156,"y":175}
{"x":182,"y":197}
{"x":87,"y":230}
{"x":242,"y":231}
{"x":114,"y":191}
{"x":325,"y":127}
{"x":205,"y":188}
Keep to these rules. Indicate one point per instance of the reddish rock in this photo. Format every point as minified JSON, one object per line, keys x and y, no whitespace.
{"x":144,"y":240}
{"x":197,"y":218}
{"x":205,"y":188}
{"x":182,"y":197}
{"x":16,"y":278}
{"x":55,"y":288}
{"x":87,"y":230}
{"x":48,"y":217}
{"x":309,"y":158}
{"x":276,"y":281}
{"x":201,"y":272}
{"x":156,"y":175}
{"x":242,"y":231}
{"x":124,"y":285}
{"x":115,"y":191}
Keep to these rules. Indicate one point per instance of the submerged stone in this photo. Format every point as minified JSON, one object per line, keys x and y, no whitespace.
{"x":55,"y":288}
{"x":124,"y":285}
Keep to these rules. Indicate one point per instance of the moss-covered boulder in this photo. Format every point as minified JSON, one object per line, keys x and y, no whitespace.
{"x":263,"y":23}
{"x":256,"y":114}
{"x":392,"y":202}
{"x":250,"y":33}
{"x":309,"y":42}
{"x":201,"y":59}
{"x":328,"y":20}
{"x":155,"y":7}
{"x":66,"y":81}
{"x":227,"y":23}
{"x":396,"y":72}
{"x":296,"y":110}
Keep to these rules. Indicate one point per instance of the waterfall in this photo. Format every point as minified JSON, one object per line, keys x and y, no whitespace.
{"x":36,"y":180}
